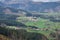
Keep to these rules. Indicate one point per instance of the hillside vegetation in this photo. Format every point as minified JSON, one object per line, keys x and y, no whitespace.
{"x":23,"y":25}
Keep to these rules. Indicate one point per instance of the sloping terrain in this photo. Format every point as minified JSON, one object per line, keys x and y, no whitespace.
{"x":2,"y":37}
{"x":20,"y":34}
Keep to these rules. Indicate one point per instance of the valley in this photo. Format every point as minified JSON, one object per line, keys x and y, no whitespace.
{"x":18,"y":24}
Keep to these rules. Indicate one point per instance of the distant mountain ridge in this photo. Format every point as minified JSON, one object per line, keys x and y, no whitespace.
{"x":14,"y":11}
{"x":45,"y":7}
{"x":36,"y":6}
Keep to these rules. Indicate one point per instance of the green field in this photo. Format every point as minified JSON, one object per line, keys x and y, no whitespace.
{"x":41,"y":24}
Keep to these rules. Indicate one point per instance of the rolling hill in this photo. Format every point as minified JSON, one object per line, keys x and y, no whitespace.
{"x":35,"y":6}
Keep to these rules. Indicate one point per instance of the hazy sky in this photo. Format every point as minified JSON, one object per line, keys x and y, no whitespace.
{"x":45,"y":0}
{"x":36,"y":0}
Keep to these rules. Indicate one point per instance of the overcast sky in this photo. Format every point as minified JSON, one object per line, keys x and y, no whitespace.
{"x":36,"y":0}
{"x":45,"y":0}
